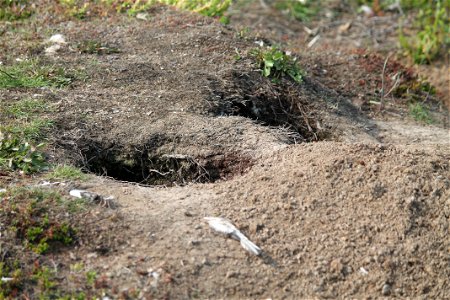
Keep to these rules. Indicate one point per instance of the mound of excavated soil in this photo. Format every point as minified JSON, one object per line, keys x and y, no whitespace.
{"x":333,"y":219}
{"x":174,"y":107}
{"x":344,"y":220}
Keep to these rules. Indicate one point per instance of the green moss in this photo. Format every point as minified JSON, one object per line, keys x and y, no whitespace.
{"x":65,"y":172}
{"x":420,"y":113}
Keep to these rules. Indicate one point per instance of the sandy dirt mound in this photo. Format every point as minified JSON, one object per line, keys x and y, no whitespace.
{"x":177,"y":128}
{"x":334,"y":220}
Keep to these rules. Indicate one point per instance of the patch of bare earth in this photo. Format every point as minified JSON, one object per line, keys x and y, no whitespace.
{"x":342,"y":205}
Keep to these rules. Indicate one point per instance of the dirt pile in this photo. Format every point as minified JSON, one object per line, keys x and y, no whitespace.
{"x":334,"y":220}
{"x":342,"y":221}
{"x":337,"y":213}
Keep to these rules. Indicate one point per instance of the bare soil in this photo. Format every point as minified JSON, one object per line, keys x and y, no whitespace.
{"x":346,"y":200}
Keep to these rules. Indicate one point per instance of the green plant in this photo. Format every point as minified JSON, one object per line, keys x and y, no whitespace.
{"x":25,"y":118}
{"x":24,"y":108}
{"x":30,"y":73}
{"x":131,"y":7}
{"x":44,"y":276}
{"x":275,"y":63}
{"x":90,"y":277}
{"x":420,"y":113}
{"x":31,"y":215}
{"x":74,"y":9}
{"x":65,"y":172}
{"x":15,"y":276}
{"x":210,"y":8}
{"x":17,"y":154}
{"x":39,"y":237}
{"x":300,"y":10}
{"x":33,"y":130}
{"x":21,"y":133}
{"x":433,"y":31}
{"x":11,"y":10}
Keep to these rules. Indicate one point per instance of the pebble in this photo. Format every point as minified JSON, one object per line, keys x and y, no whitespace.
{"x":194,"y":242}
{"x":386,"y":290}
{"x":231,"y":274}
{"x":336,"y":266}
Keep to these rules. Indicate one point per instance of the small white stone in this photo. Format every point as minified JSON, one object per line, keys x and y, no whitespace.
{"x":57,"y":39}
{"x":52,"y":49}
{"x":363,"y":271}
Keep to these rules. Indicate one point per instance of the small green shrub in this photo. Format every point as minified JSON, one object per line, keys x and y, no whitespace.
{"x":211,"y":8}
{"x":45,"y":278}
{"x":17,"y":154}
{"x":420,"y":113}
{"x":8,"y":288}
{"x":26,"y":119}
{"x":276,"y":64}
{"x":31,"y":74}
{"x":433,"y":31}
{"x":30,"y":213}
{"x":75,"y":9}
{"x":90,"y":277}
{"x":33,"y":130}
{"x":12,"y":10}
{"x":300,"y":10}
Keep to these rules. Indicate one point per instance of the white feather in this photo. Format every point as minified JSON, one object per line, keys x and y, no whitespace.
{"x":226,"y":227}
{"x":77,"y":193}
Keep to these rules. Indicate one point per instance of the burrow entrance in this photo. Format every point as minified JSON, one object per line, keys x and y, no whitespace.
{"x":284,"y":104}
{"x":144,"y":164}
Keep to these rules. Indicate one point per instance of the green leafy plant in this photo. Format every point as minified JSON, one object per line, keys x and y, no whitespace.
{"x":131,"y":7}
{"x":300,"y":10}
{"x":433,"y":31}
{"x":30,"y":74}
{"x":17,"y":154}
{"x":275,"y":63}
{"x":25,"y":118}
{"x":33,"y":130}
{"x":12,"y":10}
{"x":90,"y":277}
{"x":44,"y":276}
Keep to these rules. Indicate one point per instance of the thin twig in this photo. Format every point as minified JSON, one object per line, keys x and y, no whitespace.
{"x":382,"y":82}
{"x":397,"y":80}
